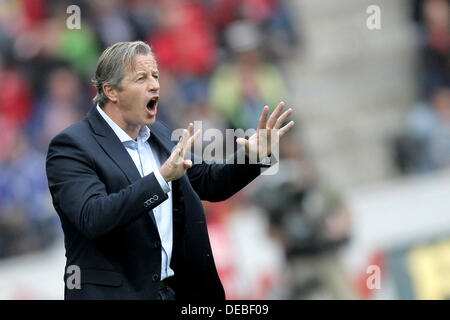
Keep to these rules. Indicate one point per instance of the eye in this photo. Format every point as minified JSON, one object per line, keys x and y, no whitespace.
{"x":156,"y":76}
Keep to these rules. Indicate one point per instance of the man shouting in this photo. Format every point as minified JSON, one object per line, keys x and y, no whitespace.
{"x":129,"y":198}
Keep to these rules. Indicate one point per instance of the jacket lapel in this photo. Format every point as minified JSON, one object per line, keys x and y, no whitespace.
{"x":111,"y":144}
{"x":160,"y":138}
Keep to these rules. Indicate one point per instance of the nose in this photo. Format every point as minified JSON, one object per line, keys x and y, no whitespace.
{"x":153,"y":85}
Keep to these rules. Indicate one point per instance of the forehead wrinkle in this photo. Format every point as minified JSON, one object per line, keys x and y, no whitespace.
{"x":147,"y":66}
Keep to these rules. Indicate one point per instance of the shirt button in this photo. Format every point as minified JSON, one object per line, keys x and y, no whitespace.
{"x":155,"y":277}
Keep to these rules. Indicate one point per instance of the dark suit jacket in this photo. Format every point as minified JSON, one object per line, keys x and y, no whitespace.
{"x":105,"y":210}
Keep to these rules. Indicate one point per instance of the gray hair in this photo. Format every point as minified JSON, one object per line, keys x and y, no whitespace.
{"x":112,"y":64}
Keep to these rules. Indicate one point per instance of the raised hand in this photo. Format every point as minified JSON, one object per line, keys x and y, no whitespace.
{"x":269,"y":131}
{"x":175,"y":166}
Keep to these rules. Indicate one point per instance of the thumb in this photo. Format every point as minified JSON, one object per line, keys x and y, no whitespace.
{"x":242,"y":142}
{"x":187,"y":164}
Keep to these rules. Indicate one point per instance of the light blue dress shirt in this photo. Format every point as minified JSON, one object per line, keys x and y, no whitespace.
{"x":146,"y":162}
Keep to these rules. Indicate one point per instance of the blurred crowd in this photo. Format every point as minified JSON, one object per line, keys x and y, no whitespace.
{"x":424,"y":143}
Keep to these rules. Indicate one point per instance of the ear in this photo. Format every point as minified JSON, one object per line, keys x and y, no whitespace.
{"x":110,"y":92}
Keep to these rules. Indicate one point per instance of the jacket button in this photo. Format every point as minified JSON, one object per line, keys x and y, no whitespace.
{"x":155,"y":277}
{"x":156,"y":244}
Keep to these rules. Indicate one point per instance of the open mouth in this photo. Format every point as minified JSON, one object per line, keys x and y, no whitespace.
{"x":152,"y":103}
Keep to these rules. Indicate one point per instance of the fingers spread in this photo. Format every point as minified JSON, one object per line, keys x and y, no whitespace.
{"x":263,"y":118}
{"x":190,"y":128}
{"x":282,"y":118}
{"x":185,"y":137}
{"x":190,"y":141}
{"x":176,"y":155}
{"x":275,"y":114}
{"x":286,"y":128}
{"x":194,"y":137}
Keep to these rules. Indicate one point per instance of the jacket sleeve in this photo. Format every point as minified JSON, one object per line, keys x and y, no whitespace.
{"x":81,"y":197}
{"x":217,"y":182}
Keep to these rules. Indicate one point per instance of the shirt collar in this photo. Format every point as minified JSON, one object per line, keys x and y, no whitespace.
{"x":144,"y":133}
